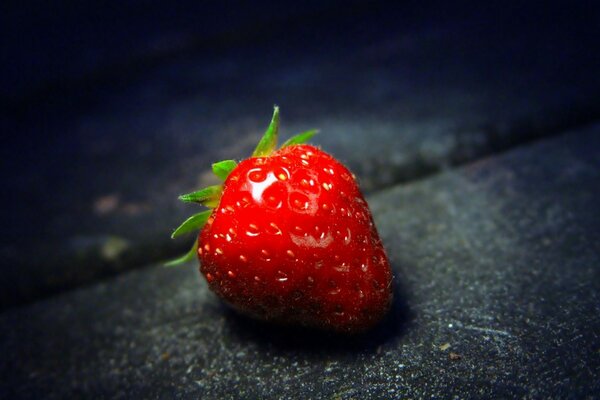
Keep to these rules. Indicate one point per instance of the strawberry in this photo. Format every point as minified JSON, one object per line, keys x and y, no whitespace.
{"x":289,"y":238}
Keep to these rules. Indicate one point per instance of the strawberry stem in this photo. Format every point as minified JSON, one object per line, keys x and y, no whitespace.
{"x":269,"y":140}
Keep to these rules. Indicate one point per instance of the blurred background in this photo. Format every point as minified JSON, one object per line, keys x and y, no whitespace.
{"x":109,"y":110}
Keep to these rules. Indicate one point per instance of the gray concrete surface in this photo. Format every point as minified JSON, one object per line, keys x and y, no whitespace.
{"x":498,"y":296}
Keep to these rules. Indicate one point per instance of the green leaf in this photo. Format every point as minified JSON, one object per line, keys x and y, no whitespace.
{"x":189,"y":256}
{"x":222,"y":169}
{"x":209,"y":196}
{"x":300,"y":138}
{"x":195,"y":222}
{"x":269,"y":140}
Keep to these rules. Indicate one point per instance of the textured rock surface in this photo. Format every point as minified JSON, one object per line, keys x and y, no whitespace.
{"x":97,"y":159}
{"x":498,"y":296}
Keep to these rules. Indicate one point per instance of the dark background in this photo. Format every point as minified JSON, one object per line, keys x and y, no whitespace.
{"x":109,"y":110}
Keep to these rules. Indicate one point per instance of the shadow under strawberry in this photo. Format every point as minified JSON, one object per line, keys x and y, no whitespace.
{"x":312,"y":341}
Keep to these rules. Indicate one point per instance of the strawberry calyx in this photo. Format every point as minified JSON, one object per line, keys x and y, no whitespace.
{"x":222,"y":169}
{"x":266,"y":145}
{"x":189,"y":256}
{"x":210,"y":196}
{"x":192,"y":223}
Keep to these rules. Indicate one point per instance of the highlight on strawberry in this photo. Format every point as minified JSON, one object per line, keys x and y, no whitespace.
{"x":288,"y":237}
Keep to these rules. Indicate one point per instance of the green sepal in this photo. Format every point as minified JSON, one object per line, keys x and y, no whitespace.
{"x":189,"y":256}
{"x":300,"y":138}
{"x":209,"y":196}
{"x":268,"y":143}
{"x":195,"y":222}
{"x":222,"y":169}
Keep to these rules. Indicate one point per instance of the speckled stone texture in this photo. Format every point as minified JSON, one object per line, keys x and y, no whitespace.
{"x":497,"y":296}
{"x":399,"y":91}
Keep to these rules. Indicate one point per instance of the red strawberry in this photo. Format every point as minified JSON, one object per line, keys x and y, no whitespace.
{"x":292,"y":239}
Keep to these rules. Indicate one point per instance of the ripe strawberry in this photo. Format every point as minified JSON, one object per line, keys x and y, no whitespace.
{"x":291,"y":239}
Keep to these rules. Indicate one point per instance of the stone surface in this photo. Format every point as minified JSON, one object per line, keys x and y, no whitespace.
{"x":95,"y":164}
{"x":497,"y":296}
